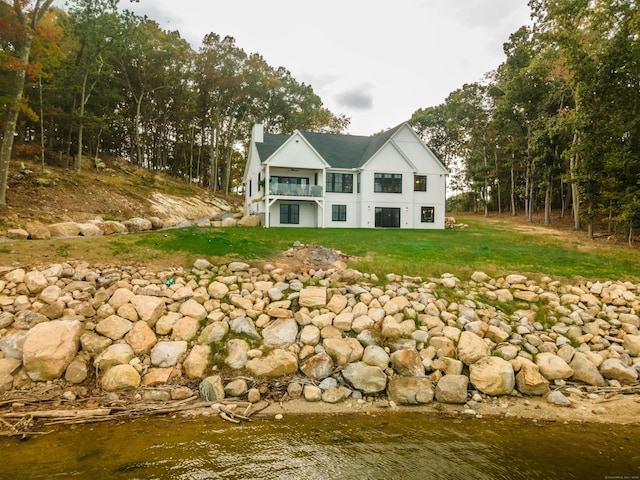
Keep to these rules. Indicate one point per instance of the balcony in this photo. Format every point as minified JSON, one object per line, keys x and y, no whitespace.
{"x":295,"y":190}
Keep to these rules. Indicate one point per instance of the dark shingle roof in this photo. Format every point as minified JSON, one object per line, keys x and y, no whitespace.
{"x":339,"y":151}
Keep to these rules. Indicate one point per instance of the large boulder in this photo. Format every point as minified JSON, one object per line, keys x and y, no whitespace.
{"x":585,"y":371}
{"x":407,"y":363}
{"x":64,"y":229}
{"x":237,"y":353}
{"x":277,"y":363}
{"x":552,"y":366}
{"x":493,"y":376}
{"x":343,"y":350}
{"x":614,"y":369}
{"x":366,"y":378}
{"x":410,"y":390}
{"x":197,"y":361}
{"x":168,"y":354}
{"x":120,"y":377}
{"x":313,"y":297}
{"x":50,"y":347}
{"x":318,"y":367}
{"x":471,"y":348}
{"x":141,"y":338}
{"x":149,"y":308}
{"x":280,"y":333}
{"x":452,"y":389}
{"x":530,"y":381}
{"x":117,"y":354}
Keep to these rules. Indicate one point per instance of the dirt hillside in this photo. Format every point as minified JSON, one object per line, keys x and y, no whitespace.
{"x":117,"y":191}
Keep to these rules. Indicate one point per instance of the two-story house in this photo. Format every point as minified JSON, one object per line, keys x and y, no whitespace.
{"x":390,"y":180}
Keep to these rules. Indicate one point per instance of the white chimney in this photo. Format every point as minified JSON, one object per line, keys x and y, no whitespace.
{"x":257,"y":133}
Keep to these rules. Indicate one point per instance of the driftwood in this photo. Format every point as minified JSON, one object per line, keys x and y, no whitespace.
{"x":24,"y":420}
{"x":95,"y":412}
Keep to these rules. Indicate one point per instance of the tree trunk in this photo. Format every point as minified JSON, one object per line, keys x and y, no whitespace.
{"x":513,"y":187}
{"x":547,"y":201}
{"x":575,"y":193}
{"x":15,"y":97}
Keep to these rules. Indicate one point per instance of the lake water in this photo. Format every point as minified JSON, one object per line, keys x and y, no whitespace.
{"x":389,"y":446}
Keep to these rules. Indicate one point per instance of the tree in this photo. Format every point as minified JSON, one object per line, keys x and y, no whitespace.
{"x":23,"y":21}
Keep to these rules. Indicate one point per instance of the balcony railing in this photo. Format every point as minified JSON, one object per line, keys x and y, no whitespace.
{"x":293,"y":190}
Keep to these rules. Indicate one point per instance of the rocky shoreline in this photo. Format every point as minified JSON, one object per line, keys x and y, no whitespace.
{"x":332,"y":339}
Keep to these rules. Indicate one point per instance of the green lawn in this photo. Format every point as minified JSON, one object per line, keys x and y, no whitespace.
{"x":498,"y":248}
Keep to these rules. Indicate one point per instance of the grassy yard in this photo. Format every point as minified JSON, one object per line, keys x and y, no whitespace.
{"x":494,"y":246}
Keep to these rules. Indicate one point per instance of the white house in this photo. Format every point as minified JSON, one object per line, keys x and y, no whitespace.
{"x":326,"y":180}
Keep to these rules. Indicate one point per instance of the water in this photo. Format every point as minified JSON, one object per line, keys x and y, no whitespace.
{"x":392,"y":446}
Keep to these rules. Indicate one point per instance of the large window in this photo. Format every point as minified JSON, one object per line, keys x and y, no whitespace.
{"x":427,"y":214}
{"x":339,"y":213}
{"x":387,"y":183}
{"x":340,"y":182}
{"x":387,"y":217}
{"x":419,"y":183}
{"x":289,"y":213}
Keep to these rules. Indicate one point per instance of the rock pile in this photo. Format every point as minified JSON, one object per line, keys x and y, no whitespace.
{"x":327,"y":335}
{"x":98,"y":226}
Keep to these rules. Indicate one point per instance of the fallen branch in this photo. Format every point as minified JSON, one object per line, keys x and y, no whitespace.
{"x":96,"y":412}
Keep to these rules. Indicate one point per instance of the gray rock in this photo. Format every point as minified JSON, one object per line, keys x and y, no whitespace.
{"x":366,"y":378}
{"x":410,"y":390}
{"x":237,"y":353}
{"x":168,"y":354}
{"x":336,"y":394}
{"x":614,"y":369}
{"x":557,"y":398}
{"x":280,"y":333}
{"x":318,"y":367}
{"x":236,"y":388}
{"x":244,"y":325}
{"x":471,"y":348}
{"x":585,"y":371}
{"x":211,"y":388}
{"x":452,"y":389}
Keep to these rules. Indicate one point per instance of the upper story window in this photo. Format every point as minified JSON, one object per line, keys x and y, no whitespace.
{"x":340,"y":182}
{"x":387,"y":183}
{"x":419,"y":183}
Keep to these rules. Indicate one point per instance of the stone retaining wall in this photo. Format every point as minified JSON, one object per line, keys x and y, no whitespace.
{"x":233,"y":330}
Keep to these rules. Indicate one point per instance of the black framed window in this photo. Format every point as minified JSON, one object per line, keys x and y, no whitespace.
{"x":427,"y":214}
{"x":387,"y":183}
{"x":339,"y":213}
{"x":387,"y":217}
{"x":419,"y":183}
{"x":340,"y":182}
{"x":289,"y":213}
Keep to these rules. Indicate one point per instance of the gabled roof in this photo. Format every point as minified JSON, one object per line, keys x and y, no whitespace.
{"x":339,"y":151}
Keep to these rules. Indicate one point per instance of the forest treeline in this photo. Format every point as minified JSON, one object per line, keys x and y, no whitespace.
{"x":94,"y":79}
{"x":556,"y":125}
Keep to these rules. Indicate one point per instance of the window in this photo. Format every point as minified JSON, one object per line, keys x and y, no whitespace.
{"x":340,"y":182}
{"x":259,"y":180}
{"x":419,"y":183}
{"x":387,"y":183}
{"x":338,"y":213}
{"x":289,"y":213}
{"x":387,"y":217}
{"x":427,"y":214}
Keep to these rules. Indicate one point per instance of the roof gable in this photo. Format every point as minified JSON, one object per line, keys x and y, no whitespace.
{"x":338,"y":151}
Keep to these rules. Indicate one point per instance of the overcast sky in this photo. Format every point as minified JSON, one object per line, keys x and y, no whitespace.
{"x":375,"y":61}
